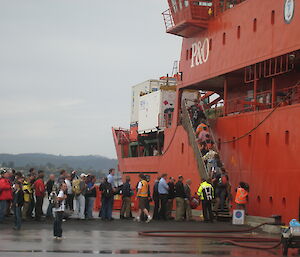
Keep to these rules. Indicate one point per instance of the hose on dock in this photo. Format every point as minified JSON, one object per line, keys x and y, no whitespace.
{"x":228,"y":239}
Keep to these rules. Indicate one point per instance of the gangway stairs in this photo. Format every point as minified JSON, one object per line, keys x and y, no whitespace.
{"x":225,"y":214}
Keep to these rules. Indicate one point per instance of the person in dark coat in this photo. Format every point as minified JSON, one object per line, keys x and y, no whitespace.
{"x":126,"y":199}
{"x":180,"y":196}
{"x":155,"y":197}
{"x":107,"y":198}
{"x":18,"y":201}
{"x":171,"y":197}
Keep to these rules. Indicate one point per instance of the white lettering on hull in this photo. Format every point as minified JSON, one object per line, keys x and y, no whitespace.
{"x":200,"y":52}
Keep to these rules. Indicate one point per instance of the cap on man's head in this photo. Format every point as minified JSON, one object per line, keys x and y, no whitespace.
{"x":111,"y":170}
{"x":142,"y":176}
{"x":83,"y":175}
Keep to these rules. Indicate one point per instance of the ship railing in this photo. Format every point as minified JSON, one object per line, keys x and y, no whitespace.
{"x":289,"y":95}
{"x":165,"y":120}
{"x":122,"y":136}
{"x":246,"y":104}
{"x":187,"y":11}
{"x":168,"y":19}
{"x":224,"y":5}
{"x":284,"y":96}
{"x":269,"y":68}
{"x":187,"y":124}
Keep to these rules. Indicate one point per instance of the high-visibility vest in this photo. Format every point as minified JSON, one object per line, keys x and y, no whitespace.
{"x":206,"y":191}
{"x":144,"y":189}
{"x":241,"y":196}
{"x":27,"y":196}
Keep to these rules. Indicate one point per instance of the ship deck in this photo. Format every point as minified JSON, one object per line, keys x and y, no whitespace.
{"x":116,"y":238}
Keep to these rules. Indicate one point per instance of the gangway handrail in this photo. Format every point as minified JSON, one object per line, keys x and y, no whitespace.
{"x":187,"y":124}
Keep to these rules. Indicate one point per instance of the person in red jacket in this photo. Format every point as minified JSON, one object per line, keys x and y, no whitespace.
{"x":39,"y":188}
{"x":5,"y":194}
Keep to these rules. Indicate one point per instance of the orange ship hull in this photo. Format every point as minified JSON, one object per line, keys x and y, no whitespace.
{"x":266,"y":159}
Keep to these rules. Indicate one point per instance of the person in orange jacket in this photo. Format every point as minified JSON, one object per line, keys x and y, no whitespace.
{"x":241,"y":198}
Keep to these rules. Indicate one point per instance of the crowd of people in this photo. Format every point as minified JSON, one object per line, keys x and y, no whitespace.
{"x":73,"y":196}
{"x":23,"y":195}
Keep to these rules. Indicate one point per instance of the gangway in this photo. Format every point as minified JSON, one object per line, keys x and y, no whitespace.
{"x":187,"y":124}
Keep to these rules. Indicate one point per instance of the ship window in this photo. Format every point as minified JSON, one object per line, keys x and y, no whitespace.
{"x":258,"y":199}
{"x":191,"y":53}
{"x":174,"y":5}
{"x":254,"y":25}
{"x":267,"y":138}
{"x":284,"y":202}
{"x":180,"y":4}
{"x":210,"y":44}
{"x":273,"y":17}
{"x":238,"y":32}
{"x":182,"y":148}
{"x":287,"y":137}
{"x":187,"y":54}
{"x":271,"y":200}
{"x":224,"y":38}
{"x":249,"y":140}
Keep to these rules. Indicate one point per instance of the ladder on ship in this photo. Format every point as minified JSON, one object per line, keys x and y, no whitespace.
{"x":202,"y":169}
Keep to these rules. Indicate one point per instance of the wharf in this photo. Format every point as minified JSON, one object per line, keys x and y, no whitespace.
{"x":89,"y":238}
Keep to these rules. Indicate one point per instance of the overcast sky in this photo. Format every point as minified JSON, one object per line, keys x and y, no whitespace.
{"x":67,"y":67}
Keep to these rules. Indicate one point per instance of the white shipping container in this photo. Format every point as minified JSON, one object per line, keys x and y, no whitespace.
{"x":153,"y":106}
{"x":145,"y":87}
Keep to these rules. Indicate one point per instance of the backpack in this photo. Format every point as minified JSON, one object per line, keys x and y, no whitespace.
{"x":223,"y":180}
{"x":54,"y":200}
{"x":107,"y":190}
{"x":76,"y":187}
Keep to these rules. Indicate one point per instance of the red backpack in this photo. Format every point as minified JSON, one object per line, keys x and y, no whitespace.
{"x":223,"y":180}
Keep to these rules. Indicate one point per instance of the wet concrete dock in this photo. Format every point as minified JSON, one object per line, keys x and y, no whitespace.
{"x":116,"y":238}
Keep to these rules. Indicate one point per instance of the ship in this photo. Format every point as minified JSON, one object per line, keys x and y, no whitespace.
{"x":241,"y":60}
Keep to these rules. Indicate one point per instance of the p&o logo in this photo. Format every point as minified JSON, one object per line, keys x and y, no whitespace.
{"x":289,"y":7}
{"x":200,"y":52}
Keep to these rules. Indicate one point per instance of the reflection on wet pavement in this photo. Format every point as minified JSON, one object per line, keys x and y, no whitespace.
{"x":97,"y":242}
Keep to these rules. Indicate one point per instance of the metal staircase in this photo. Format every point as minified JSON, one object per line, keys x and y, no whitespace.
{"x":221,"y":215}
{"x":187,"y":124}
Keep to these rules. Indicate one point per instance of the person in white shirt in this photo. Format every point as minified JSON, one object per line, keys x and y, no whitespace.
{"x":59,"y":211}
{"x":111,"y":180}
{"x":70,"y":195}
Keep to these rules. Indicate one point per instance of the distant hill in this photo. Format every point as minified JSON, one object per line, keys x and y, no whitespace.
{"x":95,"y":162}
